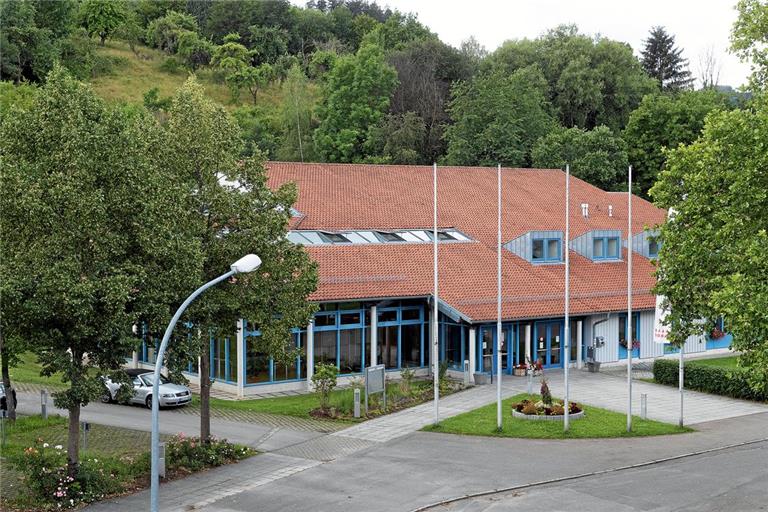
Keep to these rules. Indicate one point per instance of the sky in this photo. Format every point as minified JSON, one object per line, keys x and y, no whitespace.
{"x":696,"y":25}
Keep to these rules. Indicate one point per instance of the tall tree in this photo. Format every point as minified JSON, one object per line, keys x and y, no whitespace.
{"x":664,"y":62}
{"x":296,"y":118}
{"x":102,"y":17}
{"x":88,"y":236}
{"x":590,"y":80}
{"x":596,"y":156}
{"x":497,"y":118}
{"x":749,"y":39}
{"x":27,"y":51}
{"x":664,"y":121}
{"x":231,"y":213}
{"x":355,"y":96}
{"x":713,"y":260}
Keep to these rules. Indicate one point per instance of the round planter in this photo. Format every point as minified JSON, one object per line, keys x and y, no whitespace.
{"x":542,"y":417}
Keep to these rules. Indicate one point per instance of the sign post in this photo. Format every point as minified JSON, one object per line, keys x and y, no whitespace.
{"x":375,"y":382}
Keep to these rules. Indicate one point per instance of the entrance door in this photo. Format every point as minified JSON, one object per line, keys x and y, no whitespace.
{"x":488,"y":352}
{"x":549,"y":344}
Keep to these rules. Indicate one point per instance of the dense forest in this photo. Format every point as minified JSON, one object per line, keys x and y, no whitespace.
{"x":350,"y":81}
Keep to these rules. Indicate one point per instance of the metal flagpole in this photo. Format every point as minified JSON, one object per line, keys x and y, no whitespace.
{"x":628,"y":331}
{"x":680,"y":382}
{"x":435,"y":351}
{"x":567,"y":417}
{"x":499,"y":333}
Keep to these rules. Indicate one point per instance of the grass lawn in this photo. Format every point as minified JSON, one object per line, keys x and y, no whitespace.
{"x":723,"y":362}
{"x":109,"y":443}
{"x":28,"y":371}
{"x":595,"y":424}
{"x":301,"y":405}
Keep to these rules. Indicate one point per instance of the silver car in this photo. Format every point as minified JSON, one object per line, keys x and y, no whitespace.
{"x":171,"y":395}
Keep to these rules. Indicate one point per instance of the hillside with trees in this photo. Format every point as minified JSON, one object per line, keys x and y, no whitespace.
{"x":351,"y":81}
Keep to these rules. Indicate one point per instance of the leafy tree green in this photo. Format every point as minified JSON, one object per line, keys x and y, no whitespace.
{"x":88,"y":236}
{"x":15,"y":95}
{"x":664,"y":62}
{"x":236,"y":16}
{"x":397,"y":32}
{"x":497,"y":118}
{"x":233,"y":213}
{"x":164,"y":33}
{"x":324,"y":380}
{"x":232,"y":57}
{"x":27,"y":52}
{"x":590,"y":80}
{"x":712,"y":259}
{"x":252,"y":78}
{"x":296,"y":117}
{"x":665,"y":121}
{"x":396,"y":139}
{"x":131,"y":31}
{"x":194,"y":50}
{"x":749,"y":39}
{"x":102,"y":17}
{"x":148,"y":10}
{"x":58,"y":17}
{"x":260,"y":129}
{"x":426,"y":69}
{"x":310,"y":28}
{"x":596,"y":156}
{"x":355,"y":96}
{"x":269,"y":43}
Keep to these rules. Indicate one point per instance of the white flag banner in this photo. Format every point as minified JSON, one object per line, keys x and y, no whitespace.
{"x":660,"y":331}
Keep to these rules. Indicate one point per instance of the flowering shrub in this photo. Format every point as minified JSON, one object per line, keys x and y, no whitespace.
{"x":540,"y":408}
{"x":190,"y":454}
{"x":45,"y":476}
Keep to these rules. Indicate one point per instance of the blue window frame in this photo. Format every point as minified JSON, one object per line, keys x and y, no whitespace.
{"x":260,"y":369}
{"x":606,"y":248}
{"x":624,"y":344}
{"x":546,"y":250}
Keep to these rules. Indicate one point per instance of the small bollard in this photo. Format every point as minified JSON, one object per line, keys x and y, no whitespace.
{"x":466,"y":373}
{"x":85,"y":427}
{"x":644,"y":406}
{"x":357,"y":402}
{"x":161,"y":460}
{"x":530,"y":381}
{"x":44,"y":403}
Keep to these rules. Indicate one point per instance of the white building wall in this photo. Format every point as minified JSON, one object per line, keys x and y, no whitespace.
{"x":695,"y":344}
{"x":609,"y":331}
{"x":647,"y":346}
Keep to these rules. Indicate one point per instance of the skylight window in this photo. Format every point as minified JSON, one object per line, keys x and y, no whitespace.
{"x":606,"y":248}
{"x":420,"y":236}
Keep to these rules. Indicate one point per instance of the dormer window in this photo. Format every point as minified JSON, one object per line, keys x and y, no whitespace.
{"x":545,"y":250}
{"x":606,"y":248}
{"x":334,"y":238}
{"x":390,"y":237}
{"x":653,"y":249}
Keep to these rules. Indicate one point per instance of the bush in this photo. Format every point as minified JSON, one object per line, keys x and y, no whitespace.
{"x":171,"y":65}
{"x":44,"y":470}
{"x":324,"y":380}
{"x":709,"y":379}
{"x":191,"y":454}
{"x":546,"y":395}
{"x":406,"y":376}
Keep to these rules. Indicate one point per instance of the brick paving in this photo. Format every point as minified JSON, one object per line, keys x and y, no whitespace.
{"x":270,"y":420}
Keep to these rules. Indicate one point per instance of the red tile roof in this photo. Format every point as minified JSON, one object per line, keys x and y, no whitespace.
{"x":350,"y":196}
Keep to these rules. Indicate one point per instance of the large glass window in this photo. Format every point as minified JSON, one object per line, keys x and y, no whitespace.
{"x":653,"y":248}
{"x":387,"y":346}
{"x":453,"y":345}
{"x":325,"y":347}
{"x":545,"y":249}
{"x":410,"y":345}
{"x":350,"y":351}
{"x":256,"y":363}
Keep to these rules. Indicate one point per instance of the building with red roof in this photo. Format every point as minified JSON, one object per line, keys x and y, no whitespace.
{"x":369,"y":228}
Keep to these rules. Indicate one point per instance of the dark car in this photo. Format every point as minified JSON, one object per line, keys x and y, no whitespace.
{"x":4,"y":400}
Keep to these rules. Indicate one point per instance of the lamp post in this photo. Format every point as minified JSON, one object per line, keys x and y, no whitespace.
{"x":247,"y":263}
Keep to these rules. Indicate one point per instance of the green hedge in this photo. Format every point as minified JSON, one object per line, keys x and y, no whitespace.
{"x":709,"y":379}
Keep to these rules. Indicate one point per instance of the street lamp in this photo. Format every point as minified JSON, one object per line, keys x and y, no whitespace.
{"x":247,"y":263}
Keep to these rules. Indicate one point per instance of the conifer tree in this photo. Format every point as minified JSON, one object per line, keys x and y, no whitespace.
{"x":664,"y":62}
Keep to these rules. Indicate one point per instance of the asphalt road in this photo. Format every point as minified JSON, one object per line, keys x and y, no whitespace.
{"x":731,"y":480}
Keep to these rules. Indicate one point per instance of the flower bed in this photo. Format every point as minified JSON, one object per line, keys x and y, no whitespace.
{"x":530,"y":410}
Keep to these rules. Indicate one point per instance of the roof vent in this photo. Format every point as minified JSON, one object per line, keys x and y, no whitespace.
{"x":585,"y":210}
{"x":610,"y":210}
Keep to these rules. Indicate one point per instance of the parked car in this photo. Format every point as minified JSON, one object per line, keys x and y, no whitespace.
{"x":4,"y":400}
{"x":171,"y":395}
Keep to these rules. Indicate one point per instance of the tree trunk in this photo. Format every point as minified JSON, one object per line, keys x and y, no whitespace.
{"x":103,"y":38}
{"x":73,"y":441}
{"x":10,"y":393}
{"x":205,"y":390}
